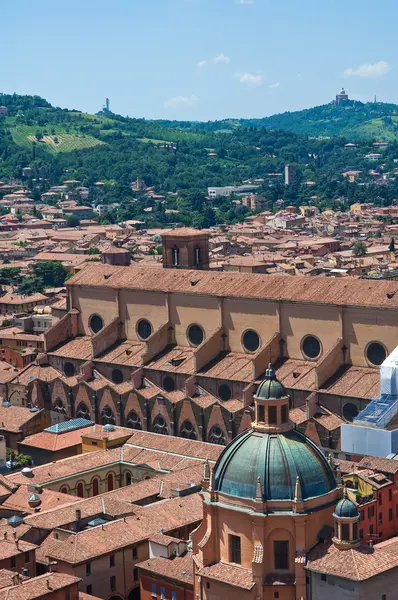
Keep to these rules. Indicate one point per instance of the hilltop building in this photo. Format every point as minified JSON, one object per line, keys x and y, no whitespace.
{"x":342,"y":97}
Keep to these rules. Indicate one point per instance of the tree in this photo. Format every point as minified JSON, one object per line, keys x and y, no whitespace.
{"x":391,"y":247}
{"x":39,"y":135}
{"x":93,"y":251}
{"x":29,"y":286}
{"x":51,"y":272}
{"x":359,"y":249}
{"x":10,"y":275}
{"x":73,"y":221}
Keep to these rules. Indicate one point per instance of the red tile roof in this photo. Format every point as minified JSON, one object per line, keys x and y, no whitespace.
{"x":356,"y":564}
{"x":320,"y":290}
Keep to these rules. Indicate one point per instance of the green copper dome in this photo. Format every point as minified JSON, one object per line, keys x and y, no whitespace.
{"x":270,"y":388}
{"x":346,"y":509}
{"x":277,"y":459}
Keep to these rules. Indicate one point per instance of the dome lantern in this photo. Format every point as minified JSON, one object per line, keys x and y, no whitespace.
{"x":346,"y":519}
{"x":272,"y":405}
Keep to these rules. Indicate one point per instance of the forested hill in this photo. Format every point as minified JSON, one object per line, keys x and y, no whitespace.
{"x":180,"y":160}
{"x":355,"y":121}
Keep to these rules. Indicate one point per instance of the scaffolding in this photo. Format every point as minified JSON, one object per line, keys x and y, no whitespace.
{"x":382,"y":410}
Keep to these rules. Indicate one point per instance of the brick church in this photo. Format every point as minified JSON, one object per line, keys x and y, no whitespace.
{"x":180,"y":350}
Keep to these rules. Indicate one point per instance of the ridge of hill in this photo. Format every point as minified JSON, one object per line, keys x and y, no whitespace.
{"x":354,"y":120}
{"x":178,"y":161}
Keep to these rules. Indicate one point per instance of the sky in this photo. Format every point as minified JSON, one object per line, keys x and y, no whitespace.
{"x":199,"y":59}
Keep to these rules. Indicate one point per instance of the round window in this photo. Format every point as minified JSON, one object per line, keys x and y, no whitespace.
{"x":311,"y":347}
{"x":195,"y":335}
{"x":168,"y":384}
{"x":117,"y":376}
{"x":376,"y":353}
{"x":251,"y":340}
{"x":144,"y":329}
{"x":96,"y":323}
{"x":69,"y":369}
{"x":224,"y":392}
{"x":350,"y":411}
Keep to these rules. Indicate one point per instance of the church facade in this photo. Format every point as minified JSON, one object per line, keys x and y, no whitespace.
{"x":180,"y":351}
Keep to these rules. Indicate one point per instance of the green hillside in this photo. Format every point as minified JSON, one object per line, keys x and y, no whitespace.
{"x":57,"y":141}
{"x":179,"y":160}
{"x":356,"y":121}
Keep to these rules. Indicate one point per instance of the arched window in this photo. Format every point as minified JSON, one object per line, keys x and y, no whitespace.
{"x":176,"y":256}
{"x":197,"y":256}
{"x":187,"y":430}
{"x":64,"y":490}
{"x":107,"y":416}
{"x":110,"y":482}
{"x":80,"y":490}
{"x":82,"y":411}
{"x":133,"y":421}
{"x":216,"y":436}
{"x":95,"y":487}
{"x":128,"y":478}
{"x":59,"y":407}
{"x":96,"y":323}
{"x":160,"y":426}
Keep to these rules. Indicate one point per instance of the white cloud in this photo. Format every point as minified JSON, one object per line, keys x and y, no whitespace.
{"x":221,"y":59}
{"x":272,"y":86}
{"x":178,"y":101}
{"x":250,"y":79}
{"x":201,"y":64}
{"x":369,"y":70}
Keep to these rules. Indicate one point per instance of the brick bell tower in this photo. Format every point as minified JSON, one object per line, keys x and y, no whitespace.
{"x":185,"y":248}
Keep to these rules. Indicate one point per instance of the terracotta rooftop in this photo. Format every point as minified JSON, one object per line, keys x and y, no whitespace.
{"x":230,"y":574}
{"x":106,"y":504}
{"x":385,"y":465}
{"x":11,"y":547}
{"x":38,"y":587}
{"x":13,"y":418}
{"x":178,"y":568}
{"x":91,"y":543}
{"x":175,"y":445}
{"x":356,"y":564}
{"x":49,"y":499}
{"x":184,"y":232}
{"x":53,"y":442}
{"x":320,"y":290}
{"x":68,"y":467}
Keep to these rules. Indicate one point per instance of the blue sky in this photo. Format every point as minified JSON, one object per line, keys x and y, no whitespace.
{"x":199,"y":59}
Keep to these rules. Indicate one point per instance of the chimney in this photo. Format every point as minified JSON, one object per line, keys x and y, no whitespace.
{"x":78,"y":515}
